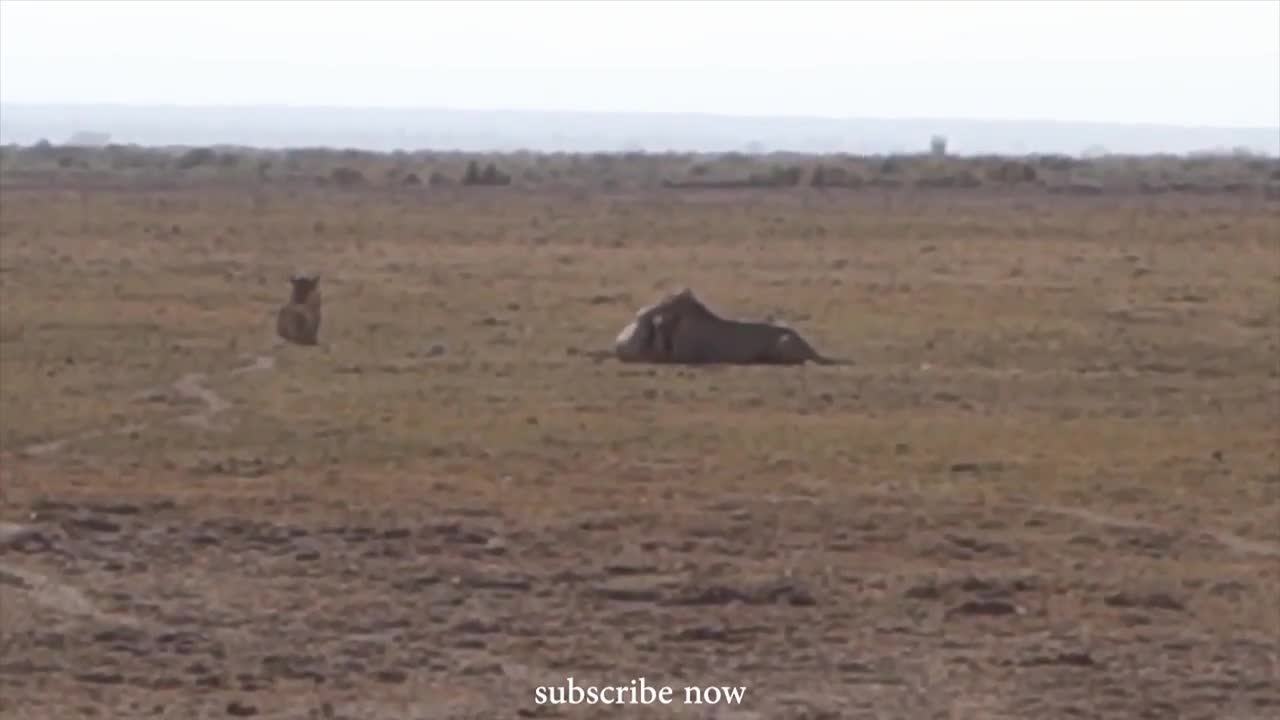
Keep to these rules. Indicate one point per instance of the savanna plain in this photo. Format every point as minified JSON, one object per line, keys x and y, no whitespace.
{"x":1046,"y":486}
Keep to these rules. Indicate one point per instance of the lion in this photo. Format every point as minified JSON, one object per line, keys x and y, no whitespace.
{"x":680,"y":329}
{"x":298,"y":321}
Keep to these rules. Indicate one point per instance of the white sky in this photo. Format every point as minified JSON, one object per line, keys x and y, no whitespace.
{"x":1185,"y":63}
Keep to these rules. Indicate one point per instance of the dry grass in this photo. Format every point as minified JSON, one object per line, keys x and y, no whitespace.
{"x":1014,"y":355}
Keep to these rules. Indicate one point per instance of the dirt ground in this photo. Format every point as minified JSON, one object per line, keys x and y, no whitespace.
{"x":1048,"y":486}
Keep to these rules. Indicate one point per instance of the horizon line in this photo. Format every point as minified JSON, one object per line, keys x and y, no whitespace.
{"x":606,"y":113}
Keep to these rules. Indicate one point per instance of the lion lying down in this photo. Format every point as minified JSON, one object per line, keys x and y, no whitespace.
{"x":680,"y":329}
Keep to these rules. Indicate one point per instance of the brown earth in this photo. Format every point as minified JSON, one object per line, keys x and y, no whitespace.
{"x":1048,"y":488}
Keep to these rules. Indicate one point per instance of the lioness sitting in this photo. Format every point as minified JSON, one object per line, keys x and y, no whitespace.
{"x":680,"y":329}
{"x":299,"y":320}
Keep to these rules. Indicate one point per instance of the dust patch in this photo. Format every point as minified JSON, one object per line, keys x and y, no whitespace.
{"x":53,"y":595}
{"x":190,"y":386}
{"x":53,"y":446}
{"x":260,"y":363}
{"x":1228,"y":540}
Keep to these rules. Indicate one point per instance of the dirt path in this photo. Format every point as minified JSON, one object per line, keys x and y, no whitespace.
{"x":1228,"y":540}
{"x":191,"y":386}
{"x":51,"y":594}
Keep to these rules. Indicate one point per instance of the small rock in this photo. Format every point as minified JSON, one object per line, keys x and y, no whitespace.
{"x":708,"y":595}
{"x":709,"y":633}
{"x":634,"y":566}
{"x":391,"y":676}
{"x":1155,"y":601}
{"x":118,"y":509}
{"x":101,"y":678}
{"x":923,"y":592}
{"x":628,"y":591}
{"x":993,"y":608}
{"x":476,"y":627}
{"x":96,"y":525}
{"x":235,"y":708}
{"x":1229,"y":588}
{"x":497,"y":583}
{"x":416,"y":584}
{"x":784,"y":593}
{"x":119,"y":635}
{"x":1076,"y":659}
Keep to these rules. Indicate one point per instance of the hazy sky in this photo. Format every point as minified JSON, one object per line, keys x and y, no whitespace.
{"x":1185,"y":63}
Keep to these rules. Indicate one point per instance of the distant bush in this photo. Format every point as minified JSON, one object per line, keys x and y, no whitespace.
{"x":128,"y":157}
{"x":891,"y":165}
{"x":833,"y":176}
{"x":1218,"y":172}
{"x":777,"y":177}
{"x":1084,"y":185}
{"x":959,"y":179}
{"x":490,"y":175}
{"x":195,"y":157}
{"x":1012,"y":173}
{"x":346,"y":177}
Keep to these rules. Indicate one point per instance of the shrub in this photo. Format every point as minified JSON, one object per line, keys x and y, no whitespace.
{"x":346,"y":177}
{"x":490,"y":175}
{"x":1012,"y":173}
{"x":194,"y":158}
